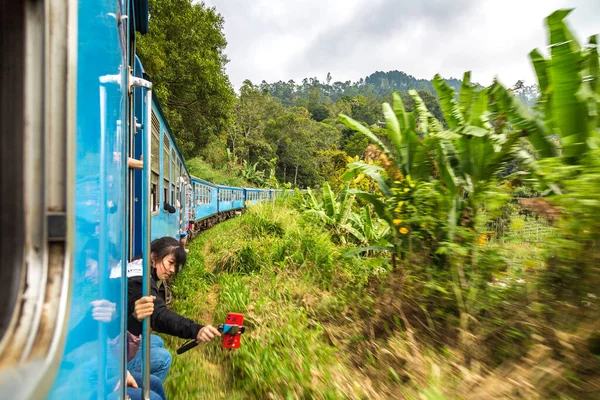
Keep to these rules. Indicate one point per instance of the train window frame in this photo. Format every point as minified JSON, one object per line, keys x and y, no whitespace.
{"x":174,"y":176}
{"x":166,"y":168}
{"x":154,"y":194}
{"x":155,"y":162}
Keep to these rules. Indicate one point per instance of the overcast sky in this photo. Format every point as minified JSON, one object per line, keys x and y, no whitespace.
{"x":294,"y":39}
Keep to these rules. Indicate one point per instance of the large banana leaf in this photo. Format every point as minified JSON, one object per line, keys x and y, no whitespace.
{"x":450,"y":108}
{"x":569,"y":113}
{"x":540,"y":64}
{"x":329,"y":202}
{"x":479,"y":112}
{"x":377,"y":202}
{"x":365,"y":215}
{"x":345,"y":206}
{"x":465,"y":97}
{"x":521,"y":119}
{"x":399,"y":111}
{"x":421,"y":110}
{"x":593,"y":64}
{"x":410,"y":142}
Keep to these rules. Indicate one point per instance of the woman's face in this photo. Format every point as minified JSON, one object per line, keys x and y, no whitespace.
{"x":165,"y":267}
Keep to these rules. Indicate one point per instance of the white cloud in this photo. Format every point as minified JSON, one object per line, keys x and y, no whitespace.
{"x":283,"y":40}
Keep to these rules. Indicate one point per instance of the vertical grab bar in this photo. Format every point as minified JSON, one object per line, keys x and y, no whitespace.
{"x":146,"y":222}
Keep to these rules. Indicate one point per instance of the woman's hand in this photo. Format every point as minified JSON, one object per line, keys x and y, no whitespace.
{"x":207,"y":333}
{"x":144,"y":307}
{"x":130,"y":381}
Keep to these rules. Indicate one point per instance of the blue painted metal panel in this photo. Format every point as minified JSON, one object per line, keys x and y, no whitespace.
{"x":92,"y":362}
{"x":205,"y":199}
{"x":164,"y":223}
{"x":137,"y":152}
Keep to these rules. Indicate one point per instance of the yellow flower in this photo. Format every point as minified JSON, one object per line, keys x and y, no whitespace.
{"x":397,"y":222}
{"x":482,"y":239}
{"x":400,"y":204}
{"x":397,"y":210}
{"x":406,"y":190}
{"x":403,"y":230}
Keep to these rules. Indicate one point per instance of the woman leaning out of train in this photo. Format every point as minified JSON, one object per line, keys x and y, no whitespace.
{"x":167,"y":257}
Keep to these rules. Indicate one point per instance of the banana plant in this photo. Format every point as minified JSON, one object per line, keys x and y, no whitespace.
{"x":333,"y":212}
{"x":370,"y":231}
{"x":570,"y":89}
{"x":250,"y":173}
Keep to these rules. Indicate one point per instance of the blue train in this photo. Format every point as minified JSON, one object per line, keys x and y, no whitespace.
{"x":76,"y":112}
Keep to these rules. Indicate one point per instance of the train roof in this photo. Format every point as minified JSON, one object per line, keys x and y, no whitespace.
{"x":204,"y":182}
{"x":230,"y":187}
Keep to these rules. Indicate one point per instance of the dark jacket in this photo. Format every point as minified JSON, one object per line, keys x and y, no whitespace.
{"x":163,"y":320}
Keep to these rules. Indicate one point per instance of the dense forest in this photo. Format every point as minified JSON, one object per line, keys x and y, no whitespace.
{"x":268,"y":133}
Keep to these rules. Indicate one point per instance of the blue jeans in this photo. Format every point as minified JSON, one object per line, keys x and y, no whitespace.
{"x":157,"y":392}
{"x":160,"y":359}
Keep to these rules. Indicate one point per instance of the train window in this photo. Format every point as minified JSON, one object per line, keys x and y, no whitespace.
{"x":155,"y":144}
{"x":154,"y":192}
{"x":174,"y":175}
{"x":173,"y":194}
{"x":155,"y":162}
{"x":166,"y":169}
{"x":165,"y":191}
{"x":209,"y":195}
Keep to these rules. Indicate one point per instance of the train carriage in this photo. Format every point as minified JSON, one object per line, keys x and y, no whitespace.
{"x":205,"y":199}
{"x":75,"y":111}
{"x":230,"y":198}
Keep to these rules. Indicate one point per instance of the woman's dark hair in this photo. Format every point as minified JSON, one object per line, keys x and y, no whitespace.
{"x":167,"y":245}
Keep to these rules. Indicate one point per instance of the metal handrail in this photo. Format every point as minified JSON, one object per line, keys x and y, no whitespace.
{"x":146,"y":225}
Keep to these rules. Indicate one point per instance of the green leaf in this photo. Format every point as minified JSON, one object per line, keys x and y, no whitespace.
{"x":345,"y":205}
{"x":540,"y":64}
{"x":376,"y":201}
{"x":593,"y":64}
{"x":450,"y":108}
{"x":522,"y":120}
{"x":329,"y":200}
{"x":355,"y":252}
{"x":421,"y":110}
{"x":569,"y":113}
{"x":466,"y":96}
{"x":393,"y":127}
{"x":399,"y":111}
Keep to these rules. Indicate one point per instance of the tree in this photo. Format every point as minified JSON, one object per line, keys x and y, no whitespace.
{"x":183,"y":53}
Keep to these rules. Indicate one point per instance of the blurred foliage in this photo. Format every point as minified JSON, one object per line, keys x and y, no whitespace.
{"x":454,"y":258}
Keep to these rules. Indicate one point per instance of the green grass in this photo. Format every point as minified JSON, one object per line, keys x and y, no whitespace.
{"x":287,"y":279}
{"x":204,"y":170}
